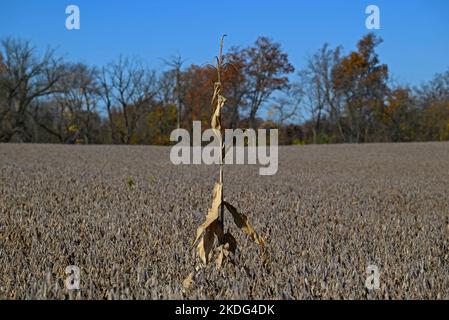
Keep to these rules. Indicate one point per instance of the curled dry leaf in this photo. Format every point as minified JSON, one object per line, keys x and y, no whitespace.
{"x":230,"y":240}
{"x":242,"y":222}
{"x":212,"y":214}
{"x":228,"y":246}
{"x":223,"y":252}
{"x":216,"y":117}
{"x":204,"y":248}
{"x":217,"y":228}
{"x":205,"y":245}
{"x":210,"y":227}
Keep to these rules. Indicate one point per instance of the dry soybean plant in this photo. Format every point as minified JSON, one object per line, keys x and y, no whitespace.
{"x":213,"y":225}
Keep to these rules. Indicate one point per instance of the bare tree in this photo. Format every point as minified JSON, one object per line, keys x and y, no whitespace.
{"x":286,"y":107}
{"x":73,"y":105}
{"x":80,"y":92}
{"x":130,"y":86}
{"x":27,"y":77}
{"x":106,"y":96}
{"x":175,"y":63}
{"x":315,"y":84}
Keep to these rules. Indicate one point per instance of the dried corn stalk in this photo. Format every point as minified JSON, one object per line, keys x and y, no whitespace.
{"x":213,"y":225}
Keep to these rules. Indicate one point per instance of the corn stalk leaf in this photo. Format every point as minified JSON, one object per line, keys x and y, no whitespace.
{"x":228,"y":246}
{"x":206,"y":243}
{"x":230,"y":240}
{"x":242,"y":222}
{"x":212,"y":214}
{"x":216,"y":117}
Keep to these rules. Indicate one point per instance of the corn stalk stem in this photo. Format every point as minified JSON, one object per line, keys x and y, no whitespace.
{"x":219,"y":65}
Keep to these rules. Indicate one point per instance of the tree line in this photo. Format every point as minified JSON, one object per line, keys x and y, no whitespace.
{"x":336,"y":97}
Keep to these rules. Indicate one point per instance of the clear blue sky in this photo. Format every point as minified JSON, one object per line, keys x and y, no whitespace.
{"x":415,"y":32}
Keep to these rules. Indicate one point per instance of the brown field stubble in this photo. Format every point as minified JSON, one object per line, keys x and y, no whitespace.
{"x":328,"y":213}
